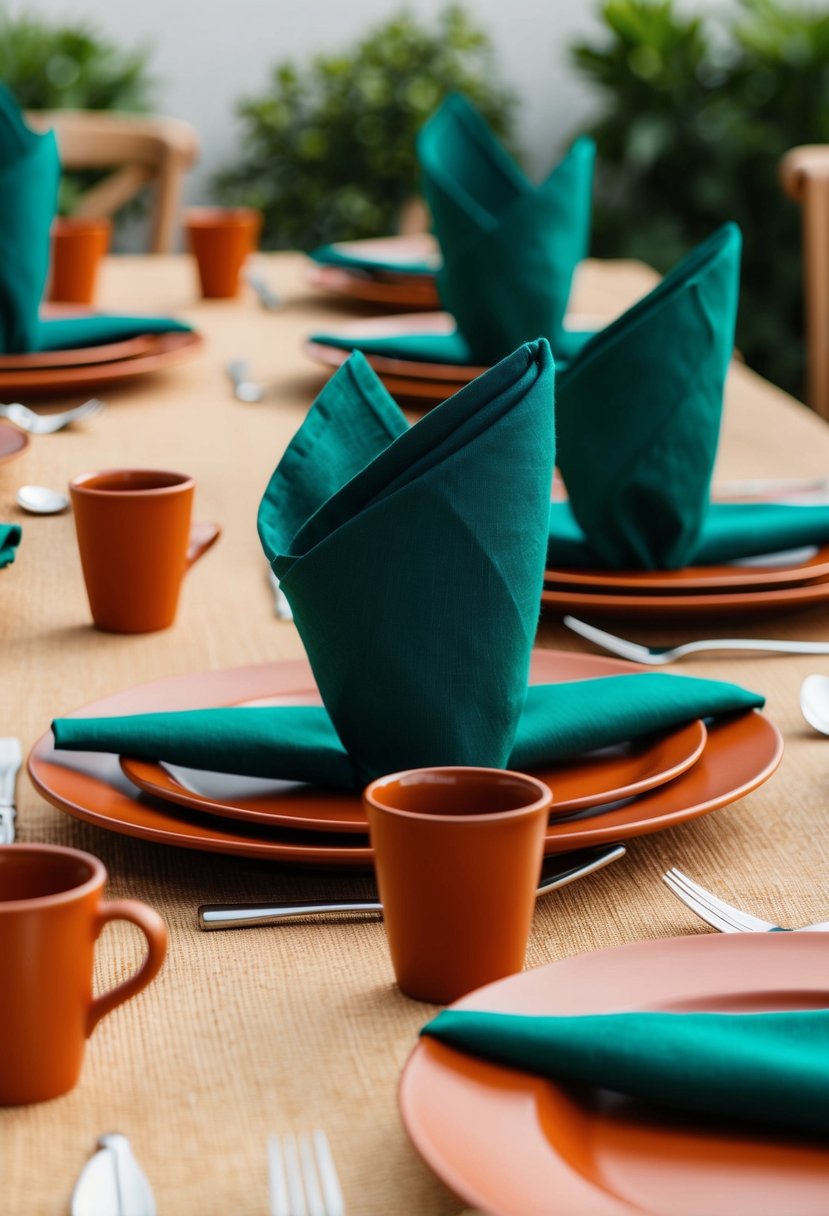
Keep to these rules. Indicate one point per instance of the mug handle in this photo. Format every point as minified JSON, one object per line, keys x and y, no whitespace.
{"x":155,"y":931}
{"x":202,"y":537}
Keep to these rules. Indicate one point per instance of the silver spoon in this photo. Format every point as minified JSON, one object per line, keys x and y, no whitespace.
{"x":40,"y":500}
{"x":814,"y":702}
{"x":244,"y":389}
{"x":556,"y":871}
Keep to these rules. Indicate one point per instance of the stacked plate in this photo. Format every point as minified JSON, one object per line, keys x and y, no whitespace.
{"x":607,"y":796}
{"x":388,"y":271}
{"x":81,"y":368}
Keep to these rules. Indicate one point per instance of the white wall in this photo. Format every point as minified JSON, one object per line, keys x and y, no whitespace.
{"x":210,"y":52}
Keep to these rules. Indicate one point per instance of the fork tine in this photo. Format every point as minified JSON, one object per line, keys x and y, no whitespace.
{"x":334,"y":1202}
{"x":710,"y":918}
{"x":293,"y":1173}
{"x":713,"y":907}
{"x":313,"y":1194}
{"x":277,"y":1184}
{"x":753,"y":923}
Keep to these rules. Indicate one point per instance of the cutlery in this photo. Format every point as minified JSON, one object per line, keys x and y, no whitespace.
{"x":556,"y":871}
{"x":41,"y":500}
{"x":302,"y":1177}
{"x":280,"y":602}
{"x":723,"y":916}
{"x":112,"y":1182}
{"x":10,"y":759}
{"x":814,"y":702}
{"x":660,"y":656}
{"x":773,"y":485}
{"x":244,"y":389}
{"x":267,"y":297}
{"x":47,"y":424}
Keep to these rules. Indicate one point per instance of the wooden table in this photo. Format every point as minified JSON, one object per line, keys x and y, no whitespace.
{"x":298,"y":1027}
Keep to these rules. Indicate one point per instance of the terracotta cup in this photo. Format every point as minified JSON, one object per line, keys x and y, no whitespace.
{"x":51,"y":912}
{"x":458,"y":853}
{"x":78,"y":245}
{"x":136,"y":542}
{"x":221,"y":239}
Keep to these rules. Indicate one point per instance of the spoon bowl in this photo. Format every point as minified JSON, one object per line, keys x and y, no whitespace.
{"x":41,"y":500}
{"x":814,"y":702}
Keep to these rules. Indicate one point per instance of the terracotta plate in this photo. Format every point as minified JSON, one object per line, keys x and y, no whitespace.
{"x":377,"y":254}
{"x":512,"y":1144}
{"x":405,"y":291}
{"x":678,"y":606}
{"x":739,"y":755}
{"x":166,"y":350}
{"x":80,"y":355}
{"x":13,"y":441}
{"x":601,"y":777}
{"x":806,"y":566}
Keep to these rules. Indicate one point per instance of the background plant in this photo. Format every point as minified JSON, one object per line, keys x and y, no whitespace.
{"x":329,"y":148}
{"x":51,"y":65}
{"x":697,"y":114}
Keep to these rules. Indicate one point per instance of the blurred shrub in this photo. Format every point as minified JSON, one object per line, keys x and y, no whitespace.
{"x":61,"y":65}
{"x":329,"y":148}
{"x":697,"y":114}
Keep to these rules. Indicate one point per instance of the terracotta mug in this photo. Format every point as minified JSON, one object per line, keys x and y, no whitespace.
{"x":221,"y":239}
{"x":458,"y":853}
{"x":136,"y":543}
{"x":78,"y":245}
{"x":51,"y":913}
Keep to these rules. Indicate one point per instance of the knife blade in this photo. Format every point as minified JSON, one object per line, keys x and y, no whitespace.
{"x":112,"y":1182}
{"x":10,"y":759}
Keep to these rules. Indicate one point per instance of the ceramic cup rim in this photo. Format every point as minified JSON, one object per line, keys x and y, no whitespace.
{"x":95,"y":881}
{"x":541,"y":802}
{"x":80,"y":483}
{"x":71,"y":224}
{"x":217,"y":217}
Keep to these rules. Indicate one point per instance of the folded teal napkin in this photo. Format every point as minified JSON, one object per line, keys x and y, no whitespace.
{"x":638,"y":414}
{"x":730,"y":531}
{"x":10,"y":535}
{"x":769,"y":1068}
{"x":509,"y":248}
{"x":413,"y":560}
{"x":347,"y":256}
{"x":29,"y":175}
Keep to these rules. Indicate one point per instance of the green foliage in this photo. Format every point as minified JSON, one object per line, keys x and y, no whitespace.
{"x":329,"y":149}
{"x":52,"y":66}
{"x":695,"y":122}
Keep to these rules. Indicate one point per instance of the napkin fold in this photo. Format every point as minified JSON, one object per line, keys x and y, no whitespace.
{"x":769,"y":1068}
{"x":638,"y":413}
{"x":10,"y":535}
{"x":413,"y":560}
{"x":29,"y":176}
{"x":347,"y":256}
{"x":509,"y":248}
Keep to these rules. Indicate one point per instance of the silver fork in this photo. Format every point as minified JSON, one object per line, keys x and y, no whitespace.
{"x":660,"y":656}
{"x":302,"y":1177}
{"x":47,"y":424}
{"x":717,"y":913}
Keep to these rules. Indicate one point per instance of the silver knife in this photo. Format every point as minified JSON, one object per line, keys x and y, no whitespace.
{"x":557,"y":871}
{"x":10,"y":760}
{"x":112,"y":1182}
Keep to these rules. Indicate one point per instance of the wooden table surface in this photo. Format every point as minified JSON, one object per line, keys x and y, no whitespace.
{"x":300,"y":1027}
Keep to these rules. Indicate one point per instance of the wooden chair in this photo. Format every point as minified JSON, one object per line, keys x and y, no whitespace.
{"x":143,"y":150}
{"x":804,"y":173}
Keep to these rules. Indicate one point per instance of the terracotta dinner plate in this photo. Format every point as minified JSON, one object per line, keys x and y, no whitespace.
{"x":13,"y":441}
{"x":404,"y":291}
{"x":106,"y":352}
{"x":739,"y":755}
{"x":592,"y":780}
{"x":165,"y":351}
{"x":394,"y":255}
{"x":695,"y":604}
{"x":728,"y":576}
{"x":512,"y":1144}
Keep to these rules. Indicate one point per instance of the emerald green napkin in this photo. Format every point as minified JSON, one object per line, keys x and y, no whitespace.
{"x":730,"y":531}
{"x":29,"y":175}
{"x":413,"y":560}
{"x":509,"y":248}
{"x":347,"y":257}
{"x":638,"y":413}
{"x":770,"y":1068}
{"x":10,"y":535}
